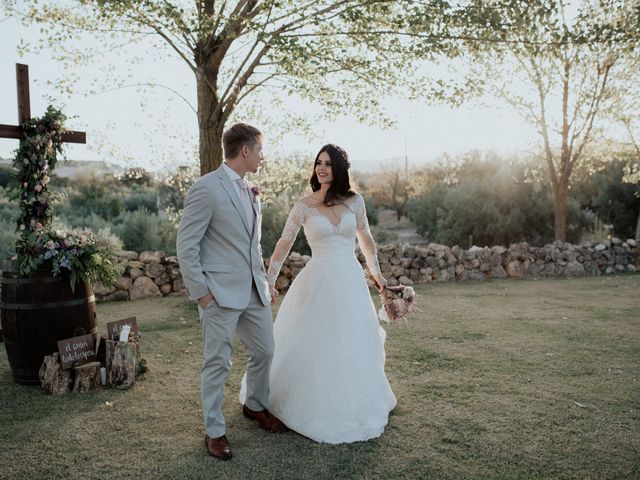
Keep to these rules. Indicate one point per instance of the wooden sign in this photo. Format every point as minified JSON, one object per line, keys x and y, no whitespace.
{"x":113,"y":328}
{"x":77,"y":351}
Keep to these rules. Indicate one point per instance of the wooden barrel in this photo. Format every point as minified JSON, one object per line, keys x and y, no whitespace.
{"x":36,"y":312}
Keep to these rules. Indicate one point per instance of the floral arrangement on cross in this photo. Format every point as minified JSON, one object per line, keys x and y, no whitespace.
{"x":39,"y":246}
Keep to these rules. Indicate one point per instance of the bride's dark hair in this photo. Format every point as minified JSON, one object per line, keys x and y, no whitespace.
{"x":340,"y":188}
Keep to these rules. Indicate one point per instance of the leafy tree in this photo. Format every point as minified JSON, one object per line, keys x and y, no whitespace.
{"x":390,"y":189}
{"x":341,"y":54}
{"x":483,"y":199}
{"x":603,"y":189}
{"x":573,"y":70}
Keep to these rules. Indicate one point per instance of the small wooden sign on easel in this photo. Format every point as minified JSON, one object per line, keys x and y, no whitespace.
{"x":113,"y":328}
{"x":77,"y":351}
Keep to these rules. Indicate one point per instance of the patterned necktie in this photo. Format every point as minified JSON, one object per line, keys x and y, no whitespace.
{"x":246,"y":201}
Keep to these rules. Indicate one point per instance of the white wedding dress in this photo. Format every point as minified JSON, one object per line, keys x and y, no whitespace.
{"x":327,"y":376}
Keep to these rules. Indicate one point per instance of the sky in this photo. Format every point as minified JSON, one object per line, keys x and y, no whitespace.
{"x":163,"y":135}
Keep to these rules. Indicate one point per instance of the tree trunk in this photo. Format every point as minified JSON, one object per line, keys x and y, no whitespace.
{"x":121,"y":364}
{"x":53,"y":379}
{"x":87,"y":377}
{"x":210,"y":124}
{"x":560,"y":211}
{"x":638,"y":228}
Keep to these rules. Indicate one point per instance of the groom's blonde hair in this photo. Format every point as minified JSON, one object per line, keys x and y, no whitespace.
{"x":237,"y":136}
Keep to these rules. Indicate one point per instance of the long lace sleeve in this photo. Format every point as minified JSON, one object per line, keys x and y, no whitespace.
{"x":365,"y":240}
{"x":289,"y":233}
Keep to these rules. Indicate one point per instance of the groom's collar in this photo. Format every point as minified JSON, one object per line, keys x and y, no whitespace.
{"x":231,"y":173}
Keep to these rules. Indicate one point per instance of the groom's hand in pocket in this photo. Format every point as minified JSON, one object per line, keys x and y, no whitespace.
{"x":206,"y":300}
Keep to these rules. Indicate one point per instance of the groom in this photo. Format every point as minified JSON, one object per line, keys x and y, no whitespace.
{"x":221,"y":262}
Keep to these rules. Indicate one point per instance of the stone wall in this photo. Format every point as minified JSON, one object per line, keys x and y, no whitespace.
{"x":143,"y":275}
{"x":152,"y":274}
{"x":410,"y":264}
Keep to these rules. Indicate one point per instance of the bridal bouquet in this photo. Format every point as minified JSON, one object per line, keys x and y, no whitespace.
{"x":397,"y":302}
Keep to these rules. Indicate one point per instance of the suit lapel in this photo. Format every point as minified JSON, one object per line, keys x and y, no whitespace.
{"x":233,"y":195}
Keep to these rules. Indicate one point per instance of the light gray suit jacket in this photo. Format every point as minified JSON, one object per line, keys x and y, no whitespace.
{"x":216,"y":251}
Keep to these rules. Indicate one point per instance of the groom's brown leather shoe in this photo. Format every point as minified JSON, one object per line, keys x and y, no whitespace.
{"x":266,"y":420}
{"x":218,"y":447}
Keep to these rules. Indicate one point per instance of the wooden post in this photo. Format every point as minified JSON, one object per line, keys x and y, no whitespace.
{"x":87,"y":377}
{"x":121,"y":364}
{"x":53,"y":379}
{"x":24,"y":103}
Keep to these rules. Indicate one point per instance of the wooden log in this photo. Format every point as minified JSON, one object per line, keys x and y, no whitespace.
{"x":87,"y":377}
{"x":53,"y":379}
{"x":121,"y":364}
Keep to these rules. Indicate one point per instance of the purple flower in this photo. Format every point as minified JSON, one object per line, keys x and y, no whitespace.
{"x":66,"y":263}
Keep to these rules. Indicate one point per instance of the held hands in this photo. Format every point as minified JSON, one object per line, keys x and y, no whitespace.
{"x":381,"y":282}
{"x":274,"y":294}
{"x":206,"y":300}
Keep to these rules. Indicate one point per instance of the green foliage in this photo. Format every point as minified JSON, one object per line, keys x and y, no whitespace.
{"x":7,"y":239}
{"x":136,"y":176}
{"x":274,"y":218}
{"x":36,"y":156}
{"x":91,"y":195}
{"x":606,"y":193}
{"x":174,"y":187}
{"x":7,"y":176}
{"x":75,"y":253}
{"x":284,"y":180}
{"x":142,"y":230}
{"x":489,"y":202}
{"x":383,"y":236}
{"x":372,"y":211}
{"x":138,"y":199}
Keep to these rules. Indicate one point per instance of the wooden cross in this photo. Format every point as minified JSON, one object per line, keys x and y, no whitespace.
{"x":24,"y":111}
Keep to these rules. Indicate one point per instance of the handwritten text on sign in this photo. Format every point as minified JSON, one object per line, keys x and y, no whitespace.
{"x":77,"y":351}
{"x":113,"y":328}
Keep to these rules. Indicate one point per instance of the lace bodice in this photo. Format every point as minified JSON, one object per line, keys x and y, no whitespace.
{"x":326,"y":237}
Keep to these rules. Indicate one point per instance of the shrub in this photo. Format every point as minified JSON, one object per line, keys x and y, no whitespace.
{"x":490,"y":202}
{"x":141,"y":199}
{"x":7,"y":176}
{"x":143,"y":230}
{"x":382,"y":236}
{"x":7,"y":239}
{"x":138,"y":230}
{"x":274,"y":218}
{"x":90,"y":195}
{"x":372,"y":211}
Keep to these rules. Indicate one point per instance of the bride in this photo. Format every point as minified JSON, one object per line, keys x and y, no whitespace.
{"x":327,"y":376}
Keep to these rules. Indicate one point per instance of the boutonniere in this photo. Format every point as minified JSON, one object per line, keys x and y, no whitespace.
{"x":256,"y":191}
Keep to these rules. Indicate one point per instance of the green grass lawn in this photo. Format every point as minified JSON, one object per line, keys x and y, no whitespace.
{"x":500,"y":379}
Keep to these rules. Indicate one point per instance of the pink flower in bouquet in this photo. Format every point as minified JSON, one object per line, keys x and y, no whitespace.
{"x":397,"y":302}
{"x":38,"y":187}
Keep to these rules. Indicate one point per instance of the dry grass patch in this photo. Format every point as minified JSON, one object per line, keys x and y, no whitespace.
{"x":501,"y":379}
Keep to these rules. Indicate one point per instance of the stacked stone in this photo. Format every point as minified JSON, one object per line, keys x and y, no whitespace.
{"x":411,"y":264}
{"x":152,"y":274}
{"x":144,"y":275}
